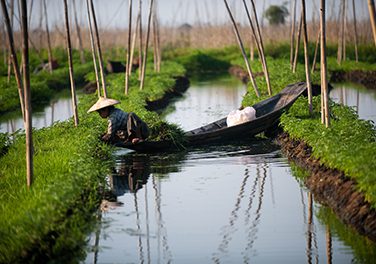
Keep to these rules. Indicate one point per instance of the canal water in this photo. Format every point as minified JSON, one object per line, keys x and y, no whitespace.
{"x":239,"y":203}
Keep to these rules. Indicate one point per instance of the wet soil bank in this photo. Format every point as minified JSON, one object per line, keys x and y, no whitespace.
{"x":181,"y":85}
{"x":366,"y":78}
{"x":332,"y":188}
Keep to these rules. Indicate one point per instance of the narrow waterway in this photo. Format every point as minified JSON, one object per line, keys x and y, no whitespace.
{"x":239,"y":203}
{"x":59,"y":109}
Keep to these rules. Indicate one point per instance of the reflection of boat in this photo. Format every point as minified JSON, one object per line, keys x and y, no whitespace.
{"x":268,"y":113}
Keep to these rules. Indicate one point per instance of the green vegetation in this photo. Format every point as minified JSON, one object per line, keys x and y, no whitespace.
{"x":357,"y":149}
{"x":51,"y":219}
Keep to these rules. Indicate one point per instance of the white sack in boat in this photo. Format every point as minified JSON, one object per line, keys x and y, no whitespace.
{"x":236,"y":117}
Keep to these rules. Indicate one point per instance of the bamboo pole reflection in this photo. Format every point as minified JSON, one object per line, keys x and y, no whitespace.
{"x":230,"y":229}
{"x":162,"y":232}
{"x":252,"y":229}
{"x":328,"y":236}
{"x":311,"y":235}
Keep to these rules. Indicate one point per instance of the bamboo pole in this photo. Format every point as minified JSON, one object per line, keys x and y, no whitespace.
{"x":297,"y":46}
{"x":71,"y":73}
{"x":355,"y":32}
{"x":240,"y":43}
{"x":146,"y":46}
{"x":98,"y":46}
{"x":49,"y":49}
{"x":156,"y":35}
{"x":134,"y":43}
{"x":324,"y":81}
{"x":342,"y":33}
{"x":140,"y":56}
{"x":13,"y":57}
{"x":372,"y":15}
{"x":93,"y":50}
{"x":11,"y":24}
{"x":316,"y":51}
{"x":27,"y":94}
{"x":128,"y":67}
{"x":292,"y":33}
{"x":262,"y":53}
{"x":306,"y":58}
{"x":79,"y":38}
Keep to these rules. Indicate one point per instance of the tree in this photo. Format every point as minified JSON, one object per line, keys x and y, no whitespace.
{"x":276,"y":14}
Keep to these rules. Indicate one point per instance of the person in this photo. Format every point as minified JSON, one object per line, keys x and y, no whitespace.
{"x":122,"y":126}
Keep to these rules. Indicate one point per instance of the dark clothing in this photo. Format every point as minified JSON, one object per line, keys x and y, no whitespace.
{"x":125,"y":126}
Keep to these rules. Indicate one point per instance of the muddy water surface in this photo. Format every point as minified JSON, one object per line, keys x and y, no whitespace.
{"x":238,"y":203}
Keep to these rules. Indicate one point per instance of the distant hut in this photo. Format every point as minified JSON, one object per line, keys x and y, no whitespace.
{"x":185,"y":35}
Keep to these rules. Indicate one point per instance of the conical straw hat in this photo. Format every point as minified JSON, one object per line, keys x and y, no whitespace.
{"x":102,"y":103}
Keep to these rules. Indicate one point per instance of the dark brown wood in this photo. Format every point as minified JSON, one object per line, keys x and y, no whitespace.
{"x":13,"y":57}
{"x":27,"y":94}
{"x":71,"y":72}
{"x":268,"y":113}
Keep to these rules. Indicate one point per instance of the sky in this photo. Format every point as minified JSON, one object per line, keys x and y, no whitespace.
{"x":114,"y":13}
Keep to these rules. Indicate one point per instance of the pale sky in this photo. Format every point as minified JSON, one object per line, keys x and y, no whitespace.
{"x":114,"y":13}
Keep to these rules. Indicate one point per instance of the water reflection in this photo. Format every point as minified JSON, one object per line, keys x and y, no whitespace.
{"x":356,"y":96}
{"x":235,"y":203}
{"x":58,"y":110}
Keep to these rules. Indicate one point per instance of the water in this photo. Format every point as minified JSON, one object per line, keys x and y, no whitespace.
{"x":236,"y":203}
{"x":59,"y":109}
{"x":363,"y":101}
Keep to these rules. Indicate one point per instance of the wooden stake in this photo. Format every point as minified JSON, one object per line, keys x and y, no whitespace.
{"x":324,"y":81}
{"x":292,"y":34}
{"x":262,"y":53}
{"x":49,"y":49}
{"x":240,"y":43}
{"x":342,"y":33}
{"x":134,"y":43}
{"x":146,"y":46}
{"x":140,"y":56}
{"x":93,"y":50}
{"x":316,"y":51}
{"x":355,"y":32}
{"x":27,"y":94}
{"x":306,"y":58}
{"x":13,"y":57}
{"x":128,"y":67}
{"x":372,"y":15}
{"x":11,"y":24}
{"x":297,"y":46}
{"x":78,"y":30}
{"x":71,"y":74}
{"x":100,"y":58}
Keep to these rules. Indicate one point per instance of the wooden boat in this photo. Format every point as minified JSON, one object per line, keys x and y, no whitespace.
{"x":268,"y":113}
